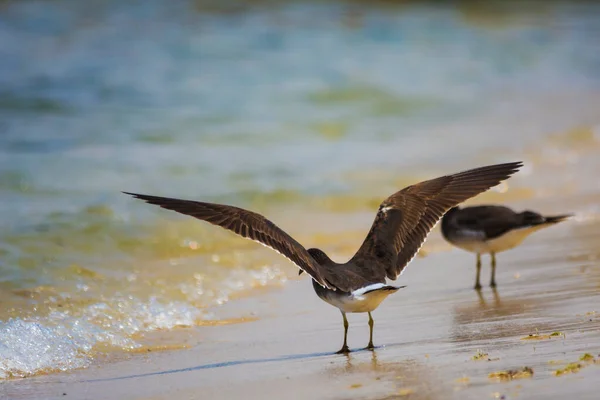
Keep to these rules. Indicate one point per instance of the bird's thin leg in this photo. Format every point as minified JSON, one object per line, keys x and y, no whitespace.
{"x":477,"y":284}
{"x":371,"y":323}
{"x":493,"y":280}
{"x":345,"y":348}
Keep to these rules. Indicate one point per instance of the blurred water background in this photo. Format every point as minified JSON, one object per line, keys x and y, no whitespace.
{"x":308,"y":111}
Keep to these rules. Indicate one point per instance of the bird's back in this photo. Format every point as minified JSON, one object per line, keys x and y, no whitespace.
{"x":479,"y":222}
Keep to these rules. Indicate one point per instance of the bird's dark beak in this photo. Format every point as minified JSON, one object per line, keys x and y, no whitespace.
{"x":300,"y":272}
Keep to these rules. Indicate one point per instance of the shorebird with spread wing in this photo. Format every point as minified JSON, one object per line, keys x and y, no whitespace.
{"x":401,"y":225}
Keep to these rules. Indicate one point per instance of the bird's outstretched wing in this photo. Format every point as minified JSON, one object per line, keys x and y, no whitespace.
{"x":405,"y":218}
{"x":247,"y":224}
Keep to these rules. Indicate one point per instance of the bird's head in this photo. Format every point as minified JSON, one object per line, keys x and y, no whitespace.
{"x":319,"y":256}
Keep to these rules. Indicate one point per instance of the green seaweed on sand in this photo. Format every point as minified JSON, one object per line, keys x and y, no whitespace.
{"x":536,"y":336}
{"x":574,"y":367}
{"x":568,"y":369}
{"x":525,"y":372}
{"x":480,"y":355}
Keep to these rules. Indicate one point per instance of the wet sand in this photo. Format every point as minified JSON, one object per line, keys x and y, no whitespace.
{"x":427,"y":334}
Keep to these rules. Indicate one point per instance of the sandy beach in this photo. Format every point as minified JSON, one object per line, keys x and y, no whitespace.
{"x":311,"y":113}
{"x":436,"y":339}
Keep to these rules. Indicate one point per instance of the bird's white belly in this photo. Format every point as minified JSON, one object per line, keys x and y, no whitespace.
{"x":504,"y":242}
{"x":357,"y":303}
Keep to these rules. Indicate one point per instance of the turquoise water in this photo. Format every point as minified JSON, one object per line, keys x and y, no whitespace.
{"x":265,"y":106}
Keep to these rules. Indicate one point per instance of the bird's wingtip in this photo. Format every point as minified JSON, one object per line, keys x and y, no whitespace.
{"x":136,"y":195}
{"x":516,"y":164}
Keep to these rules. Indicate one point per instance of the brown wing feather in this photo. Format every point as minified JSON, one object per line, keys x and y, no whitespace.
{"x":246,"y":224}
{"x":405,"y":218}
{"x":495,"y":220}
{"x":492,"y":220}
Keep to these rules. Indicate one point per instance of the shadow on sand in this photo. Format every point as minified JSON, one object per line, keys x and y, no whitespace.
{"x":239,"y":362}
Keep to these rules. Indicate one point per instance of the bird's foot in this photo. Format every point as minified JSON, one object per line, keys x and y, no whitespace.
{"x":477,"y":286}
{"x":493,"y":284}
{"x":344,"y":350}
{"x":370,"y":347}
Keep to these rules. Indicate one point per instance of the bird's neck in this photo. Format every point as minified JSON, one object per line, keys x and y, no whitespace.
{"x":320,"y":257}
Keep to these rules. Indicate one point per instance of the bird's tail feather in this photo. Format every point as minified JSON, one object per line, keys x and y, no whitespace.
{"x":386,"y":288}
{"x":531,"y":218}
{"x":556,"y":218}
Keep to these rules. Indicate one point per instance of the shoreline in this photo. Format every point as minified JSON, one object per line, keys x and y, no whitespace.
{"x":427,"y":335}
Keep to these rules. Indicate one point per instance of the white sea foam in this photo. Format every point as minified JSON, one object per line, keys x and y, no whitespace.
{"x":27,"y":347}
{"x":60,"y":342}
{"x":65,"y":340}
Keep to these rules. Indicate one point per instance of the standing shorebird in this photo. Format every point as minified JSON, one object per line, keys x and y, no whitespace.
{"x":403,"y":221}
{"x":491,"y":229}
